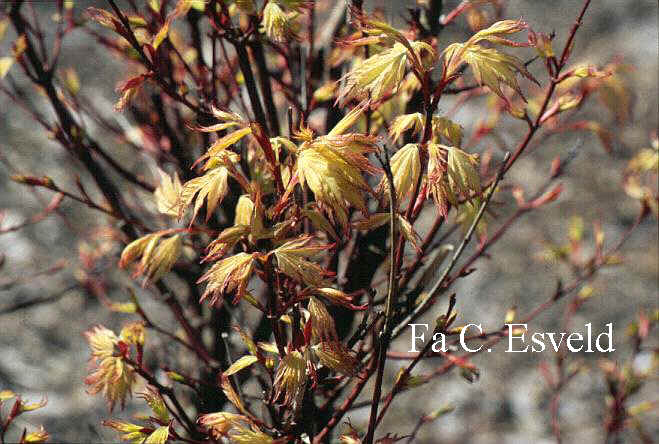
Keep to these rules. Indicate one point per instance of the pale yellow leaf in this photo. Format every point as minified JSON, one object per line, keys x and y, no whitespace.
{"x":159,"y":436}
{"x":242,"y":363}
{"x":5,"y":64}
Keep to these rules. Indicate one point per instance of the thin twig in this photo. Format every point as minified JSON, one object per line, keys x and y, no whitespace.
{"x":392,"y":294}
{"x":37,"y":301}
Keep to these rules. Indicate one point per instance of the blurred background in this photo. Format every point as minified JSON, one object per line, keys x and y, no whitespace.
{"x":42,"y":348}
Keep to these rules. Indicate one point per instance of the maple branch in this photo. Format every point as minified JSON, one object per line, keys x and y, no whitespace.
{"x":435,"y":290}
{"x":552,"y":87}
{"x":392,"y":294}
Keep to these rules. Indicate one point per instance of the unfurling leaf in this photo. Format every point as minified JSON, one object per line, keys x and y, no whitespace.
{"x":36,"y":437}
{"x":162,"y":259}
{"x":5,"y":64}
{"x":6,"y":394}
{"x":372,"y":222}
{"x":220,"y":423}
{"x":157,"y":257}
{"x":350,"y":436}
{"x":138,"y":248}
{"x":462,"y":174}
{"x":243,"y":435}
{"x":404,"y":123}
{"x":447,"y":129}
{"x":157,"y":404}
{"x":104,"y":18}
{"x":332,"y":168}
{"x":31,"y":406}
{"x":133,"y":333}
{"x":129,"y":88}
{"x":291,"y":260}
{"x":325,"y":92}
{"x":182,"y":8}
{"x":495,"y":32}
{"x":290,"y":378}
{"x":159,"y":436}
{"x":451,"y":173}
{"x":242,"y":363}
{"x":334,"y":295}
{"x":490,"y":66}
{"x":277,"y":24}
{"x":228,"y":276}
{"x":337,"y":356}
{"x":247,"y":340}
{"x":380,"y":74}
{"x":131,"y":432}
{"x":109,"y":373}
{"x":348,"y":120}
{"x":71,"y":80}
{"x":408,"y":232}
{"x":576,"y":229}
{"x":268,"y":347}
{"x":244,"y":210}
{"x":212,"y":187}
{"x":375,"y":77}
{"x":379,"y":219}
{"x":406,"y":168}
{"x":542,"y":43}
{"x":438,"y":413}
{"x":320,"y":223}
{"x":406,"y":381}
{"x":322,"y":323}
{"x":231,"y":395}
{"x":227,"y":239}
{"x":217,"y":153}
{"x":167,"y":194}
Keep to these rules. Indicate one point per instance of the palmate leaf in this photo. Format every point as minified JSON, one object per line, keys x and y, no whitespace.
{"x":226,"y":240}
{"x":406,"y":122}
{"x":451,"y":173}
{"x":381,"y":73}
{"x":495,"y":32}
{"x":211,"y":187}
{"x":218,"y":150}
{"x":332,"y":167}
{"x":167,"y":194}
{"x":462,"y":175}
{"x":229,"y":275}
{"x":375,"y":76}
{"x":292,"y":261}
{"x":277,"y":24}
{"x":406,"y":168}
{"x":322,"y":323}
{"x":491,"y":67}
{"x":158,"y":257}
{"x":446,"y":128}
{"x":159,"y":436}
{"x":290,"y":378}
